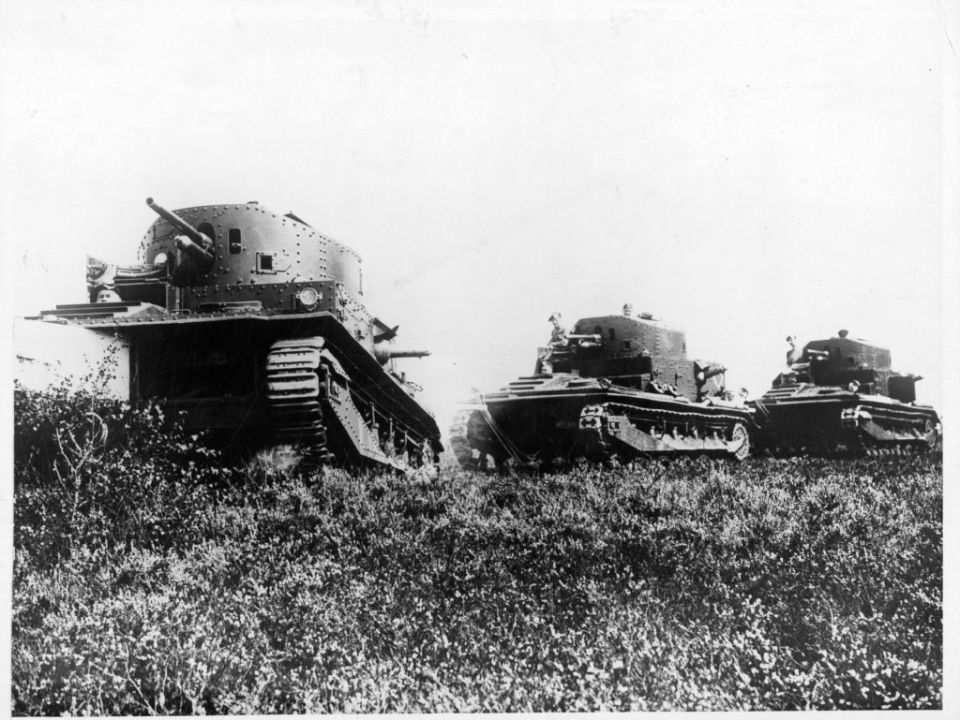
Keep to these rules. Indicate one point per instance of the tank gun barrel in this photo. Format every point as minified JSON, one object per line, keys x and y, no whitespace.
{"x":383,"y":352}
{"x":182,"y":226}
{"x":196,"y":245}
{"x":203,"y":257}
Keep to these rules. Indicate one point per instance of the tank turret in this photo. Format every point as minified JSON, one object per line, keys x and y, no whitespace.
{"x":632,"y":352}
{"x":842,"y":361}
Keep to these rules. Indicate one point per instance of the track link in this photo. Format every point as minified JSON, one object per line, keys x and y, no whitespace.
{"x":296,"y":388}
{"x":315,"y":406}
{"x":858,"y":429}
{"x":612,"y":429}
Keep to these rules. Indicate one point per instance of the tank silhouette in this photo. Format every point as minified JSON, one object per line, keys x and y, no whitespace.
{"x":618,"y":387}
{"x":251,"y":324}
{"x":840,"y":395}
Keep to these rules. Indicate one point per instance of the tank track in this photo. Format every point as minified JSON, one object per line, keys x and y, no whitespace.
{"x":296,"y":388}
{"x":870,"y":429}
{"x":879,"y":426}
{"x":611,"y":430}
{"x":310,"y":396}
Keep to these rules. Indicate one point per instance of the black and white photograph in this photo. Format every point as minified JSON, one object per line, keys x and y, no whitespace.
{"x":419,"y":357}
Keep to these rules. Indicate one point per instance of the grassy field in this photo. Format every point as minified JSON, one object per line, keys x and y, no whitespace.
{"x":149,"y":579}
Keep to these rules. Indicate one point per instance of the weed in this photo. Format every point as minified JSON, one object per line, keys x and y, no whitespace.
{"x":149,"y":578}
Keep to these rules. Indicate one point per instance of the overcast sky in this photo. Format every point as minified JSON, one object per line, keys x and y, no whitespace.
{"x":743,"y":170}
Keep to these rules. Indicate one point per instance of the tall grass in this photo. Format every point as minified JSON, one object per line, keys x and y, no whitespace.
{"x":149,"y":579}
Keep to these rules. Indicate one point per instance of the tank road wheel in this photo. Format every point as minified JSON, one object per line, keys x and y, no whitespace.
{"x":740,"y":442}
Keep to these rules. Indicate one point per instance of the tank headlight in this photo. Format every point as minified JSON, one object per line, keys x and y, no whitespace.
{"x":160,"y":259}
{"x":308,"y":298}
{"x":853,"y":386}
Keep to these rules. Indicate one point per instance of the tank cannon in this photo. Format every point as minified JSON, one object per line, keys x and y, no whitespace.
{"x":197,"y":246}
{"x":181,"y":225}
{"x":384,"y":353}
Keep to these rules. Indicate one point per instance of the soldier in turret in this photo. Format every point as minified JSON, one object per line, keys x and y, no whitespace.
{"x":793,"y":355}
{"x":628,"y":309}
{"x":558,"y":340}
{"x":558,"y":336}
{"x":106,"y":295}
{"x":100,"y":278}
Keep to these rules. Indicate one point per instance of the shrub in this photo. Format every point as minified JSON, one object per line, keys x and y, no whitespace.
{"x":150,"y":579}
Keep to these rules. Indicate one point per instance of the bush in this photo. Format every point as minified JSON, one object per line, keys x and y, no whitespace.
{"x":149,"y":579}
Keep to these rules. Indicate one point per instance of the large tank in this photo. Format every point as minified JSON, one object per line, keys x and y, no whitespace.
{"x":840,"y":395}
{"x":617,"y":387}
{"x":251,"y":324}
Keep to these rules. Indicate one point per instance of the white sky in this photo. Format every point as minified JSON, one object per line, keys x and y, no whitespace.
{"x":743,"y":170}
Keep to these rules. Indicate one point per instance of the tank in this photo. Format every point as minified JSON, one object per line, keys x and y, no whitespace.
{"x":251,"y":326}
{"x":840,"y":395}
{"x":617,"y":388}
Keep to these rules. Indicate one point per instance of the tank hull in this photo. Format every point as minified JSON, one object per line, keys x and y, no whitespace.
{"x":549,"y":420}
{"x":229,"y":374}
{"x":818,"y":420}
